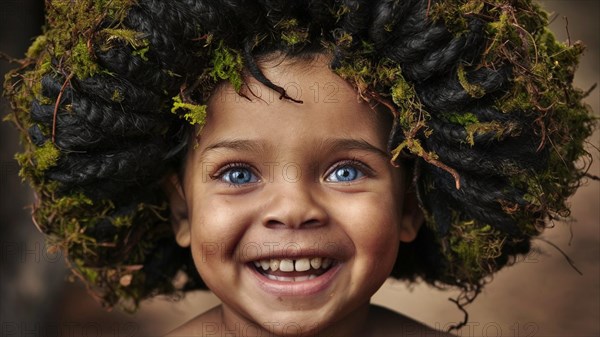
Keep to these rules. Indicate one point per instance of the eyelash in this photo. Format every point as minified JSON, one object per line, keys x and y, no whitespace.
{"x":218,"y":175}
{"x":364,"y":168}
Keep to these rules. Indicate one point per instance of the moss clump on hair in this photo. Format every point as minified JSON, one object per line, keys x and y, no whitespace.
{"x":464,"y":119}
{"x":134,"y":39}
{"x":474,"y":90}
{"x":195,"y":114}
{"x":496,"y":128}
{"x":411,"y":114}
{"x":117,"y":96}
{"x":564,"y":121}
{"x":131,"y":37}
{"x":291,"y":33}
{"x":46,"y":156}
{"x":74,"y":25}
{"x":227,"y":65}
{"x":83,"y":64}
{"x":68,"y":218}
{"x":474,"y":247}
{"x":37,"y":47}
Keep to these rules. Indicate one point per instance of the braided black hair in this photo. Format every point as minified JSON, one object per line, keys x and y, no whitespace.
{"x":481,"y":95}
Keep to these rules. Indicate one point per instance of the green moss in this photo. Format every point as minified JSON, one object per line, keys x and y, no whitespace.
{"x":83,"y":64}
{"x":474,"y":247}
{"x":562,"y":121}
{"x":117,"y":96}
{"x":142,"y":53}
{"x":131,"y":37}
{"x":500,"y":28}
{"x":519,"y":99}
{"x":342,"y":10}
{"x":474,"y":127}
{"x":449,"y":12}
{"x":46,"y":156}
{"x":462,"y":119}
{"x":406,"y":99}
{"x":69,"y":219}
{"x":122,"y":221}
{"x":499,"y":129}
{"x":535,"y":192}
{"x":472,"y":7}
{"x":227,"y":65}
{"x":369,"y":76}
{"x":357,"y":73}
{"x":45,"y":68}
{"x":114,"y":9}
{"x":344,"y":40}
{"x":474,"y":90}
{"x":24,"y":171}
{"x":291,"y":33}
{"x":37,"y":47}
{"x":136,"y":40}
{"x":415,"y":147}
{"x":293,"y":38}
{"x":73,"y":28}
{"x":73,"y":201}
{"x":195,"y":114}
{"x":89,"y":273}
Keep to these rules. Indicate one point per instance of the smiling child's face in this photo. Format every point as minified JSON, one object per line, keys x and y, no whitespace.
{"x":293,"y":211}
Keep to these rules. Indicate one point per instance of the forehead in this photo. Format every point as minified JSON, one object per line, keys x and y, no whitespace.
{"x":330,"y":107}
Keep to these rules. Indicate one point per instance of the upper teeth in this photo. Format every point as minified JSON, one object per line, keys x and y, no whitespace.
{"x":288,"y":265}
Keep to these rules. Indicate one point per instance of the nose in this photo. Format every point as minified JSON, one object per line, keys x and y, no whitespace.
{"x":294,"y":205}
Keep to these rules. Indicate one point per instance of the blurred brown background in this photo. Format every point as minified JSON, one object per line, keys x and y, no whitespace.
{"x":541,"y":296}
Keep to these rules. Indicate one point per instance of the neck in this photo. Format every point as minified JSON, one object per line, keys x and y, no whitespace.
{"x":353,"y":324}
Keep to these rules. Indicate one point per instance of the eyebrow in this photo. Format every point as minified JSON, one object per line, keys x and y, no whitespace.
{"x":352,"y":144}
{"x":245,"y":145}
{"x":327,"y":145}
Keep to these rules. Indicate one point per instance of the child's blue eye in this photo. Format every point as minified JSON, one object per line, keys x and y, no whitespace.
{"x":345,"y":173}
{"x":239,"y":176}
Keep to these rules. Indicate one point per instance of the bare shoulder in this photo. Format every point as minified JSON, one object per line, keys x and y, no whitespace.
{"x":385,"y":322}
{"x":206,"y":323}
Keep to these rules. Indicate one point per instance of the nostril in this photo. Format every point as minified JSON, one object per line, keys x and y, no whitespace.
{"x":305,"y":224}
{"x":311,"y":223}
{"x":274,"y":224}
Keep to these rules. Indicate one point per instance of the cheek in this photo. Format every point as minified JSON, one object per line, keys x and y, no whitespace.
{"x":379,"y":239}
{"x":219,"y":218}
{"x":215,"y":229}
{"x":372,"y":224}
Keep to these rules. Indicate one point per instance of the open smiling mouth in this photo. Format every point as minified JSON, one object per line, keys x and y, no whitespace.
{"x":294,"y":270}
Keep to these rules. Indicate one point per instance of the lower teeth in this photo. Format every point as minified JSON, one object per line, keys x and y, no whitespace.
{"x":290,"y":279}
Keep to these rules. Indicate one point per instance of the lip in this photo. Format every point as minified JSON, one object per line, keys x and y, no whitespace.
{"x":301,"y":288}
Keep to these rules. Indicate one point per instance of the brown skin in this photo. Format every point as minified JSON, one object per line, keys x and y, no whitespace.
{"x":382,"y":322}
{"x":293,"y":197}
